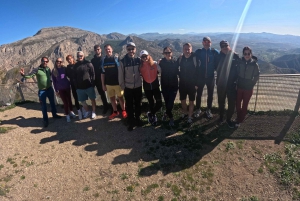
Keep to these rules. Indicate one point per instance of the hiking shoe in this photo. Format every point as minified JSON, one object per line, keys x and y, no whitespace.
{"x":57,"y":117}
{"x":183,"y":116}
{"x":72,"y":115}
{"x":150,"y":119}
{"x":87,"y":114}
{"x":197,"y":113}
{"x":230,"y":123}
{"x":79,"y":114}
{"x":105,"y":109}
{"x":93,"y":115}
{"x":124,"y":114}
{"x":113,"y":115}
{"x":164,"y":117}
{"x":209,"y":114}
{"x":45,"y":123}
{"x":68,"y":118}
{"x":154,"y":120}
{"x":171,"y":123}
{"x":189,"y":120}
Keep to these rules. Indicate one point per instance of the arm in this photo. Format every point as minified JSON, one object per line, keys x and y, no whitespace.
{"x":121,"y":77}
{"x":256,"y":74}
{"x":91,"y":73}
{"x":102,"y":80}
{"x":30,"y":75}
{"x":158,"y":68}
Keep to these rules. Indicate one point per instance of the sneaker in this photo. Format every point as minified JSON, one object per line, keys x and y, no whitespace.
{"x":57,"y":117}
{"x":105,"y":109}
{"x":124,"y":114}
{"x":72,"y":115}
{"x":209,"y":114}
{"x":93,"y":115}
{"x":68,"y":118}
{"x":79,"y":114}
{"x":230,"y":124}
{"x":171,"y":123}
{"x":154,"y":120}
{"x":189,"y":120}
{"x":183,"y":116}
{"x":149,"y":115}
{"x":87,"y":114}
{"x":237,"y":125}
{"x":164,"y":117}
{"x":197,"y":113}
{"x":45,"y":123}
{"x":113,"y":115}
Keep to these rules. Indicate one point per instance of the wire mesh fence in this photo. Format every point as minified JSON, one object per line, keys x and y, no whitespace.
{"x":272,"y":92}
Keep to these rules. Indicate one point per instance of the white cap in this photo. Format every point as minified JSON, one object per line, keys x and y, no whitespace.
{"x":130,"y":44}
{"x":144,"y":52}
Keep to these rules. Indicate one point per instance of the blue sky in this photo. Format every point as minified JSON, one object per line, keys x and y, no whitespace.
{"x":23,"y":18}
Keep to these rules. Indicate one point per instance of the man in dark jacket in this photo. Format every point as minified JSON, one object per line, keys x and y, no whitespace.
{"x":84,"y":83}
{"x":227,"y":74}
{"x":130,"y":81}
{"x":187,"y":80}
{"x":97,"y":63}
{"x":206,"y":76}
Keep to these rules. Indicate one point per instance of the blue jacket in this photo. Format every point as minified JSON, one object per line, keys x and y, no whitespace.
{"x":208,"y":62}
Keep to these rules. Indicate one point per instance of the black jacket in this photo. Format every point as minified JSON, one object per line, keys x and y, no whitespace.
{"x":169,"y":74}
{"x":97,"y":62}
{"x":227,"y":75}
{"x":84,"y":75}
{"x":187,"y":71}
{"x":248,"y":73}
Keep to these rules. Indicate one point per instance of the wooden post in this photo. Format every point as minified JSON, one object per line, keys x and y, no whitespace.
{"x":256,"y":95}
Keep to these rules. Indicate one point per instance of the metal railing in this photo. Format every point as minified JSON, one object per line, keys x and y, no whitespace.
{"x":272,"y":92}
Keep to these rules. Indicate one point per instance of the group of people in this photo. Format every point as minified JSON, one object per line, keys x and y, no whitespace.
{"x":125,"y":77}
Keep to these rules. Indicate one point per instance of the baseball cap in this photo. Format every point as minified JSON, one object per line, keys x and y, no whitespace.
{"x":206,"y":38}
{"x":143,"y":52}
{"x":130,"y":44}
{"x":224,"y":42}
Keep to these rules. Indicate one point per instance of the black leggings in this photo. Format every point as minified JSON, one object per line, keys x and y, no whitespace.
{"x":75,"y":97}
{"x":157,"y":96}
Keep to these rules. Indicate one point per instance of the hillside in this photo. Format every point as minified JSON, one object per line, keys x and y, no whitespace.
{"x":288,"y":61}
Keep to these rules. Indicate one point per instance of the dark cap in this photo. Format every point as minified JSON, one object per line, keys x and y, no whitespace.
{"x":206,"y":38}
{"x":130,"y":44}
{"x":224,"y":42}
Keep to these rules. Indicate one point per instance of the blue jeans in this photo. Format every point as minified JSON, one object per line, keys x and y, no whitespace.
{"x":43,"y":94}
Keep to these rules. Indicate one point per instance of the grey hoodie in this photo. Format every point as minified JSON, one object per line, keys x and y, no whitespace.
{"x":129,"y":74}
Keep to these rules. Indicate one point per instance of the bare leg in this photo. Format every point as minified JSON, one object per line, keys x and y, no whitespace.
{"x":184,"y":107}
{"x":191,"y":108}
{"x":94,"y":105}
{"x":113,"y":103}
{"x":122,"y":102}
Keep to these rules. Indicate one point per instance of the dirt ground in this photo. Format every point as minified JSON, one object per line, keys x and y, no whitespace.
{"x":100,"y":160}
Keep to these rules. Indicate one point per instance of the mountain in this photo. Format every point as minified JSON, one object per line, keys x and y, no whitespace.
{"x":288,"y":61}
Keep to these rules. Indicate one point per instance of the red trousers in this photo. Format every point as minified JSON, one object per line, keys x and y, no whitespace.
{"x":241,"y":108}
{"x":65,"y":96}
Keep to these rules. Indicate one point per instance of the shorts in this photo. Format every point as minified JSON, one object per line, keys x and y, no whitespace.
{"x":84,"y":94}
{"x":187,"y":91}
{"x":113,"y":90}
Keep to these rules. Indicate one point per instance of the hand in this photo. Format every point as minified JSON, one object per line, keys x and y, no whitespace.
{"x":57,"y":94}
{"x":22,"y":71}
{"x":104,"y":87}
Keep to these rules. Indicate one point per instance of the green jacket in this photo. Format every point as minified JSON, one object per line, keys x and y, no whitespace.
{"x":43,"y":76}
{"x":248,"y":74}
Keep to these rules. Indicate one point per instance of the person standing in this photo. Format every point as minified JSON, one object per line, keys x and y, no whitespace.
{"x":110,"y":81}
{"x":187,"y":80}
{"x":248,"y":76}
{"x":130,"y":81}
{"x":62,"y":88}
{"x":227,"y":74}
{"x":206,"y":76}
{"x":70,"y":75}
{"x":96,"y":61}
{"x":169,"y":81}
{"x":149,"y":70}
{"x":43,"y":75}
{"x":84,"y":82}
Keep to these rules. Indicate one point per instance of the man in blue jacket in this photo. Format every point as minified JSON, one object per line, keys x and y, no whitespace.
{"x":205,"y":75}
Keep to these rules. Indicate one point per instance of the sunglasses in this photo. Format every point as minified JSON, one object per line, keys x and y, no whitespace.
{"x":144,"y":56}
{"x":246,"y":54}
{"x":58,"y":61}
{"x":223,"y":46}
{"x":130,"y":49}
{"x":167,"y":52}
{"x":45,"y":61}
{"x":79,"y":56}
{"x":206,"y":41}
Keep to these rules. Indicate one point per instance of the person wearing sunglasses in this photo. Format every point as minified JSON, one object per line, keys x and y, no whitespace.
{"x":130,"y":81}
{"x":227,"y":74}
{"x":169,"y":82}
{"x":70,"y":75}
{"x":43,"y":75}
{"x":62,"y":88}
{"x":149,"y":70}
{"x":206,"y":76}
{"x":97,"y":63}
{"x":247,"y":78}
{"x":84,"y":82}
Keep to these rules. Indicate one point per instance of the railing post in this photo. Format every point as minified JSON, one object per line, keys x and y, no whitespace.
{"x":296,"y":109}
{"x":20,"y":91}
{"x":256,"y":95}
